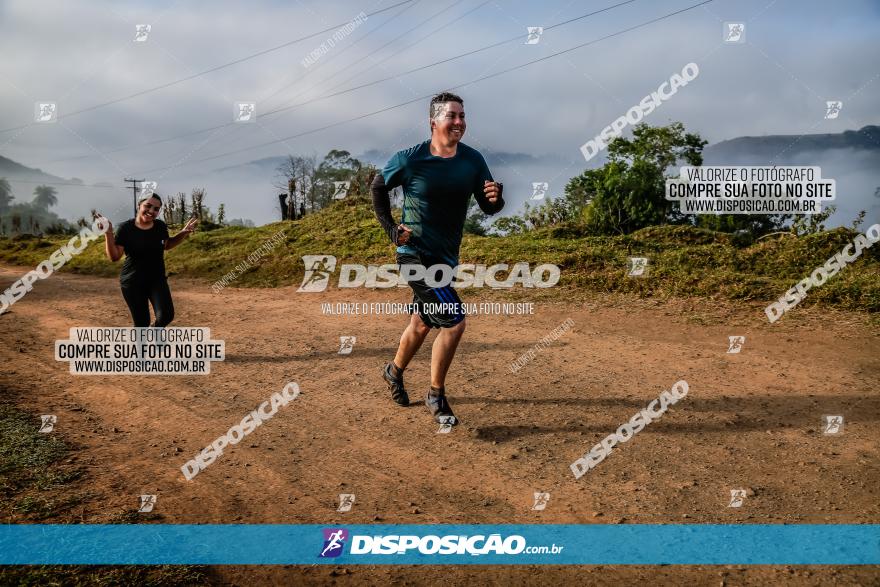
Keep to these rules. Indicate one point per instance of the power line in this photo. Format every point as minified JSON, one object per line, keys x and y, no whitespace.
{"x":428,"y":96}
{"x":324,"y":62}
{"x":346,"y":48}
{"x":401,"y":49}
{"x":220,"y":126}
{"x":447,"y":60}
{"x":210,"y":70}
{"x":365,"y":85}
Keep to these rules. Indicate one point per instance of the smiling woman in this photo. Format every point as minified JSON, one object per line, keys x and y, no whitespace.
{"x":143,"y":240}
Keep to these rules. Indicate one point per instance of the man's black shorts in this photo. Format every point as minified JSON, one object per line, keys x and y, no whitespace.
{"x":438,"y":307}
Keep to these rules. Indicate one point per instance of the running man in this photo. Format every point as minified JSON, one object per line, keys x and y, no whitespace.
{"x":438,"y":178}
{"x":143,"y":240}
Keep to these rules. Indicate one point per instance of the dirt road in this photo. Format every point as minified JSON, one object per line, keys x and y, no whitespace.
{"x":751,"y":420}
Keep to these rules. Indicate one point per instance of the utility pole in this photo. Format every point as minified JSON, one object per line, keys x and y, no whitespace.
{"x":134,"y":192}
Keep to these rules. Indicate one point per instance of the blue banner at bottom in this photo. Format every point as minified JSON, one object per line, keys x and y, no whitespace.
{"x":251,"y":544}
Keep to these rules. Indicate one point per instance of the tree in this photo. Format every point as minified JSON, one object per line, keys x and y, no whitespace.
{"x":197,"y":208}
{"x":181,"y":207}
{"x":5,"y":195}
{"x":337,"y":165}
{"x":509,"y":225}
{"x":298,"y":173}
{"x":169,"y":212}
{"x":44,"y":197}
{"x":473,"y":222}
{"x":628,"y":192}
{"x":549,"y":213}
{"x":221,"y":214}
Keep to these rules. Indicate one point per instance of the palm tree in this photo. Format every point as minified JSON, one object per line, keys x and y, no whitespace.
{"x":44,"y":196}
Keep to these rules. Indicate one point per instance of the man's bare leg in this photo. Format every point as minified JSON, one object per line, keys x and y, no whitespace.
{"x":410,"y":342}
{"x":443,"y":352}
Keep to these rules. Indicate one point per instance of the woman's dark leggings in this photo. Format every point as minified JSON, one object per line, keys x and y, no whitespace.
{"x":139,"y":298}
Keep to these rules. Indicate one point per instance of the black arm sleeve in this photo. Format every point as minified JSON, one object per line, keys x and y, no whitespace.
{"x":382,"y":207}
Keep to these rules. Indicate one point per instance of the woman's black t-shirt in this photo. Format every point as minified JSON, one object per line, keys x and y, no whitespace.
{"x":144,"y":252}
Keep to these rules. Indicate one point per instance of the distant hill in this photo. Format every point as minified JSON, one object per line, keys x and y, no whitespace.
{"x":761,"y":150}
{"x":379,"y":158}
{"x":16,"y":171}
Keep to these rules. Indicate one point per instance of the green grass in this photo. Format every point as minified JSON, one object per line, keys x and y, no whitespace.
{"x":27,"y":456}
{"x":684,"y":261}
{"x":37,"y":485}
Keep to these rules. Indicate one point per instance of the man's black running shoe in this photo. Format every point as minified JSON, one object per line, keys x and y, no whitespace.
{"x":439,"y":407}
{"x":395,"y":384}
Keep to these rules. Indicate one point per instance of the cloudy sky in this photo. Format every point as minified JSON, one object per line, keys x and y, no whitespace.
{"x":117,"y":98}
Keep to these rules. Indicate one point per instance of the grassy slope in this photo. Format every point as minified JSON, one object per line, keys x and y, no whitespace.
{"x":684,"y":261}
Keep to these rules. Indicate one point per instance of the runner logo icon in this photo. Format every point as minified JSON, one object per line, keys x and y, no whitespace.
{"x":340,"y":189}
{"x":45,"y":112}
{"x":141,"y":32}
{"x":833,"y":425}
{"x":47,"y":422}
{"x":637,"y":266}
{"x":734,"y":32}
{"x":318,"y":270}
{"x":346,"y":344}
{"x":534,"y":34}
{"x":539,"y":189}
{"x":334,"y":541}
{"x":832,"y":109}
{"x":737,"y":497}
{"x":346,"y":500}
{"x":735,"y":344}
{"x":147,"y":503}
{"x":541,"y":500}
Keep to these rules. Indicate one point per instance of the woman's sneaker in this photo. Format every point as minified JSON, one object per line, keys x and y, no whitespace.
{"x":439,"y":407}
{"x":395,"y":384}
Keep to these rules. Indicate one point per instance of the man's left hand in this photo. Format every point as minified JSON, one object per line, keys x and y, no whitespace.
{"x":492,"y":189}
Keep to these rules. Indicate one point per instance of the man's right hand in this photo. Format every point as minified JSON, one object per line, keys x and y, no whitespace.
{"x":403,"y":234}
